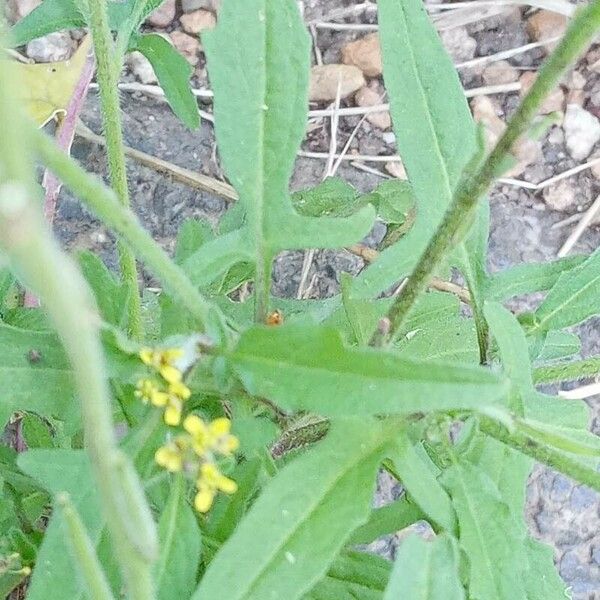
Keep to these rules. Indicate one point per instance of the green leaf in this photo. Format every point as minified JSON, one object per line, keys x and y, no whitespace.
{"x":558,"y":411}
{"x":322,"y":495}
{"x":34,"y":374}
{"x":111,"y":295}
{"x":490,"y":536}
{"x":542,"y":582}
{"x":263,"y":47}
{"x":353,"y":575}
{"x":173,"y":72}
{"x":453,"y":341}
{"x":179,"y":537}
{"x":308,"y":368}
{"x":7,"y":281}
{"x":421,"y":483}
{"x":435,"y":133}
{"x":333,"y":197}
{"x":529,"y":278}
{"x":36,"y":432}
{"x":12,"y":574}
{"x":574,"y":297}
{"x":192,"y":235}
{"x":426,"y":570}
{"x":62,"y":471}
{"x":393,"y":199}
{"x":388,"y":519}
{"x":559,"y":344}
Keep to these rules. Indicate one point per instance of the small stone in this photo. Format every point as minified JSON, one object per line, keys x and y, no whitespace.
{"x":186,"y":44}
{"x":51,"y":48}
{"x":364,"y":53}
{"x":396,"y":169}
{"x":389,"y":137}
{"x":526,"y":151}
{"x":459,"y":44}
{"x":324,"y":81}
{"x":500,"y":72}
{"x":189,"y":6}
{"x":554,"y":102}
{"x":140,"y":66}
{"x":582,"y":131}
{"x":197,"y":21}
{"x":24,"y":7}
{"x":595,"y":169}
{"x":163,"y":15}
{"x":560,"y":196}
{"x":546,"y":24}
{"x":369,"y":97}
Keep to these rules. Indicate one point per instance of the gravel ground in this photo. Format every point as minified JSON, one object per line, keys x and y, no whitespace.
{"x":523,"y":226}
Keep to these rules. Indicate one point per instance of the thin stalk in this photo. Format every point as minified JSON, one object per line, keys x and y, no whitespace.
{"x":578,"y":37}
{"x":567,"y":371}
{"x":84,"y":553}
{"x":544,"y":454}
{"x":102,"y":202}
{"x":108,"y":79}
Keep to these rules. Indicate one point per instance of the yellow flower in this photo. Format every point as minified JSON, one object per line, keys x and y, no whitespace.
{"x":171,"y":456}
{"x":162,"y":361}
{"x":214,"y":437}
{"x":211,"y":481}
{"x":148,"y":391}
{"x":178,"y":392}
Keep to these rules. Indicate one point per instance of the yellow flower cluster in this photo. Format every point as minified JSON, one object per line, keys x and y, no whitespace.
{"x":195,"y":452}
{"x":169,"y":392}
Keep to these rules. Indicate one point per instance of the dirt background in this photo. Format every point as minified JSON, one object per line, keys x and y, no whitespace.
{"x":524,"y":221}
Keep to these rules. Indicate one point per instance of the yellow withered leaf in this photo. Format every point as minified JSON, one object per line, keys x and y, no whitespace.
{"x":46,"y":88}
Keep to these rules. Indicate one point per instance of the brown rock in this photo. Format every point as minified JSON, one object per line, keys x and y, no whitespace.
{"x":555,"y":102}
{"x":500,"y":72}
{"x":186,"y":44}
{"x":369,"y":97}
{"x":324,"y":81}
{"x":192,"y":5}
{"x":396,"y":169}
{"x":163,"y":15}
{"x":364,"y":53}
{"x":197,"y":21}
{"x":526,"y":150}
{"x":459,"y":44}
{"x":560,"y":196}
{"x":546,"y":24}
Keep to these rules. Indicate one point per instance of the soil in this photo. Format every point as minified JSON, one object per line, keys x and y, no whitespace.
{"x":560,"y":513}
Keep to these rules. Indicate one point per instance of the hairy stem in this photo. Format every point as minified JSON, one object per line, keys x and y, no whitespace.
{"x":109,"y":65}
{"x":84,"y":553}
{"x":567,"y":371}
{"x":578,"y":37}
{"x":102,"y":202}
{"x":549,"y":456}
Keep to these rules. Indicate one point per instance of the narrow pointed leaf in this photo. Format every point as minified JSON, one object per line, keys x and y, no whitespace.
{"x":304,"y":515}
{"x":308,"y":368}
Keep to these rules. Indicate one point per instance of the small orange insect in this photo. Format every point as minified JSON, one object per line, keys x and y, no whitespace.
{"x":274,"y":318}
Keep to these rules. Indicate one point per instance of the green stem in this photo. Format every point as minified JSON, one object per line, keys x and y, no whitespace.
{"x":567,"y":371}
{"x":578,"y":37}
{"x":549,"y":456}
{"x":102,"y":202}
{"x":108,"y":78}
{"x":84,"y":553}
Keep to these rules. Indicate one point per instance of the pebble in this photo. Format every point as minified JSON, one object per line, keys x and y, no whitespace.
{"x":24,"y":7}
{"x":186,"y":44}
{"x":595,"y":169}
{"x":546,"y":24}
{"x":582,"y":131}
{"x":367,"y":96}
{"x":51,"y":48}
{"x":364,"y":53}
{"x":555,"y":102}
{"x":526,"y":151}
{"x":459,"y":44}
{"x":189,"y":6}
{"x":163,"y":15}
{"x":197,"y":21}
{"x":499,"y":72}
{"x":389,"y":137}
{"x":324,"y":81}
{"x":560,"y":196}
{"x":396,"y":169}
{"x":140,"y":66}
